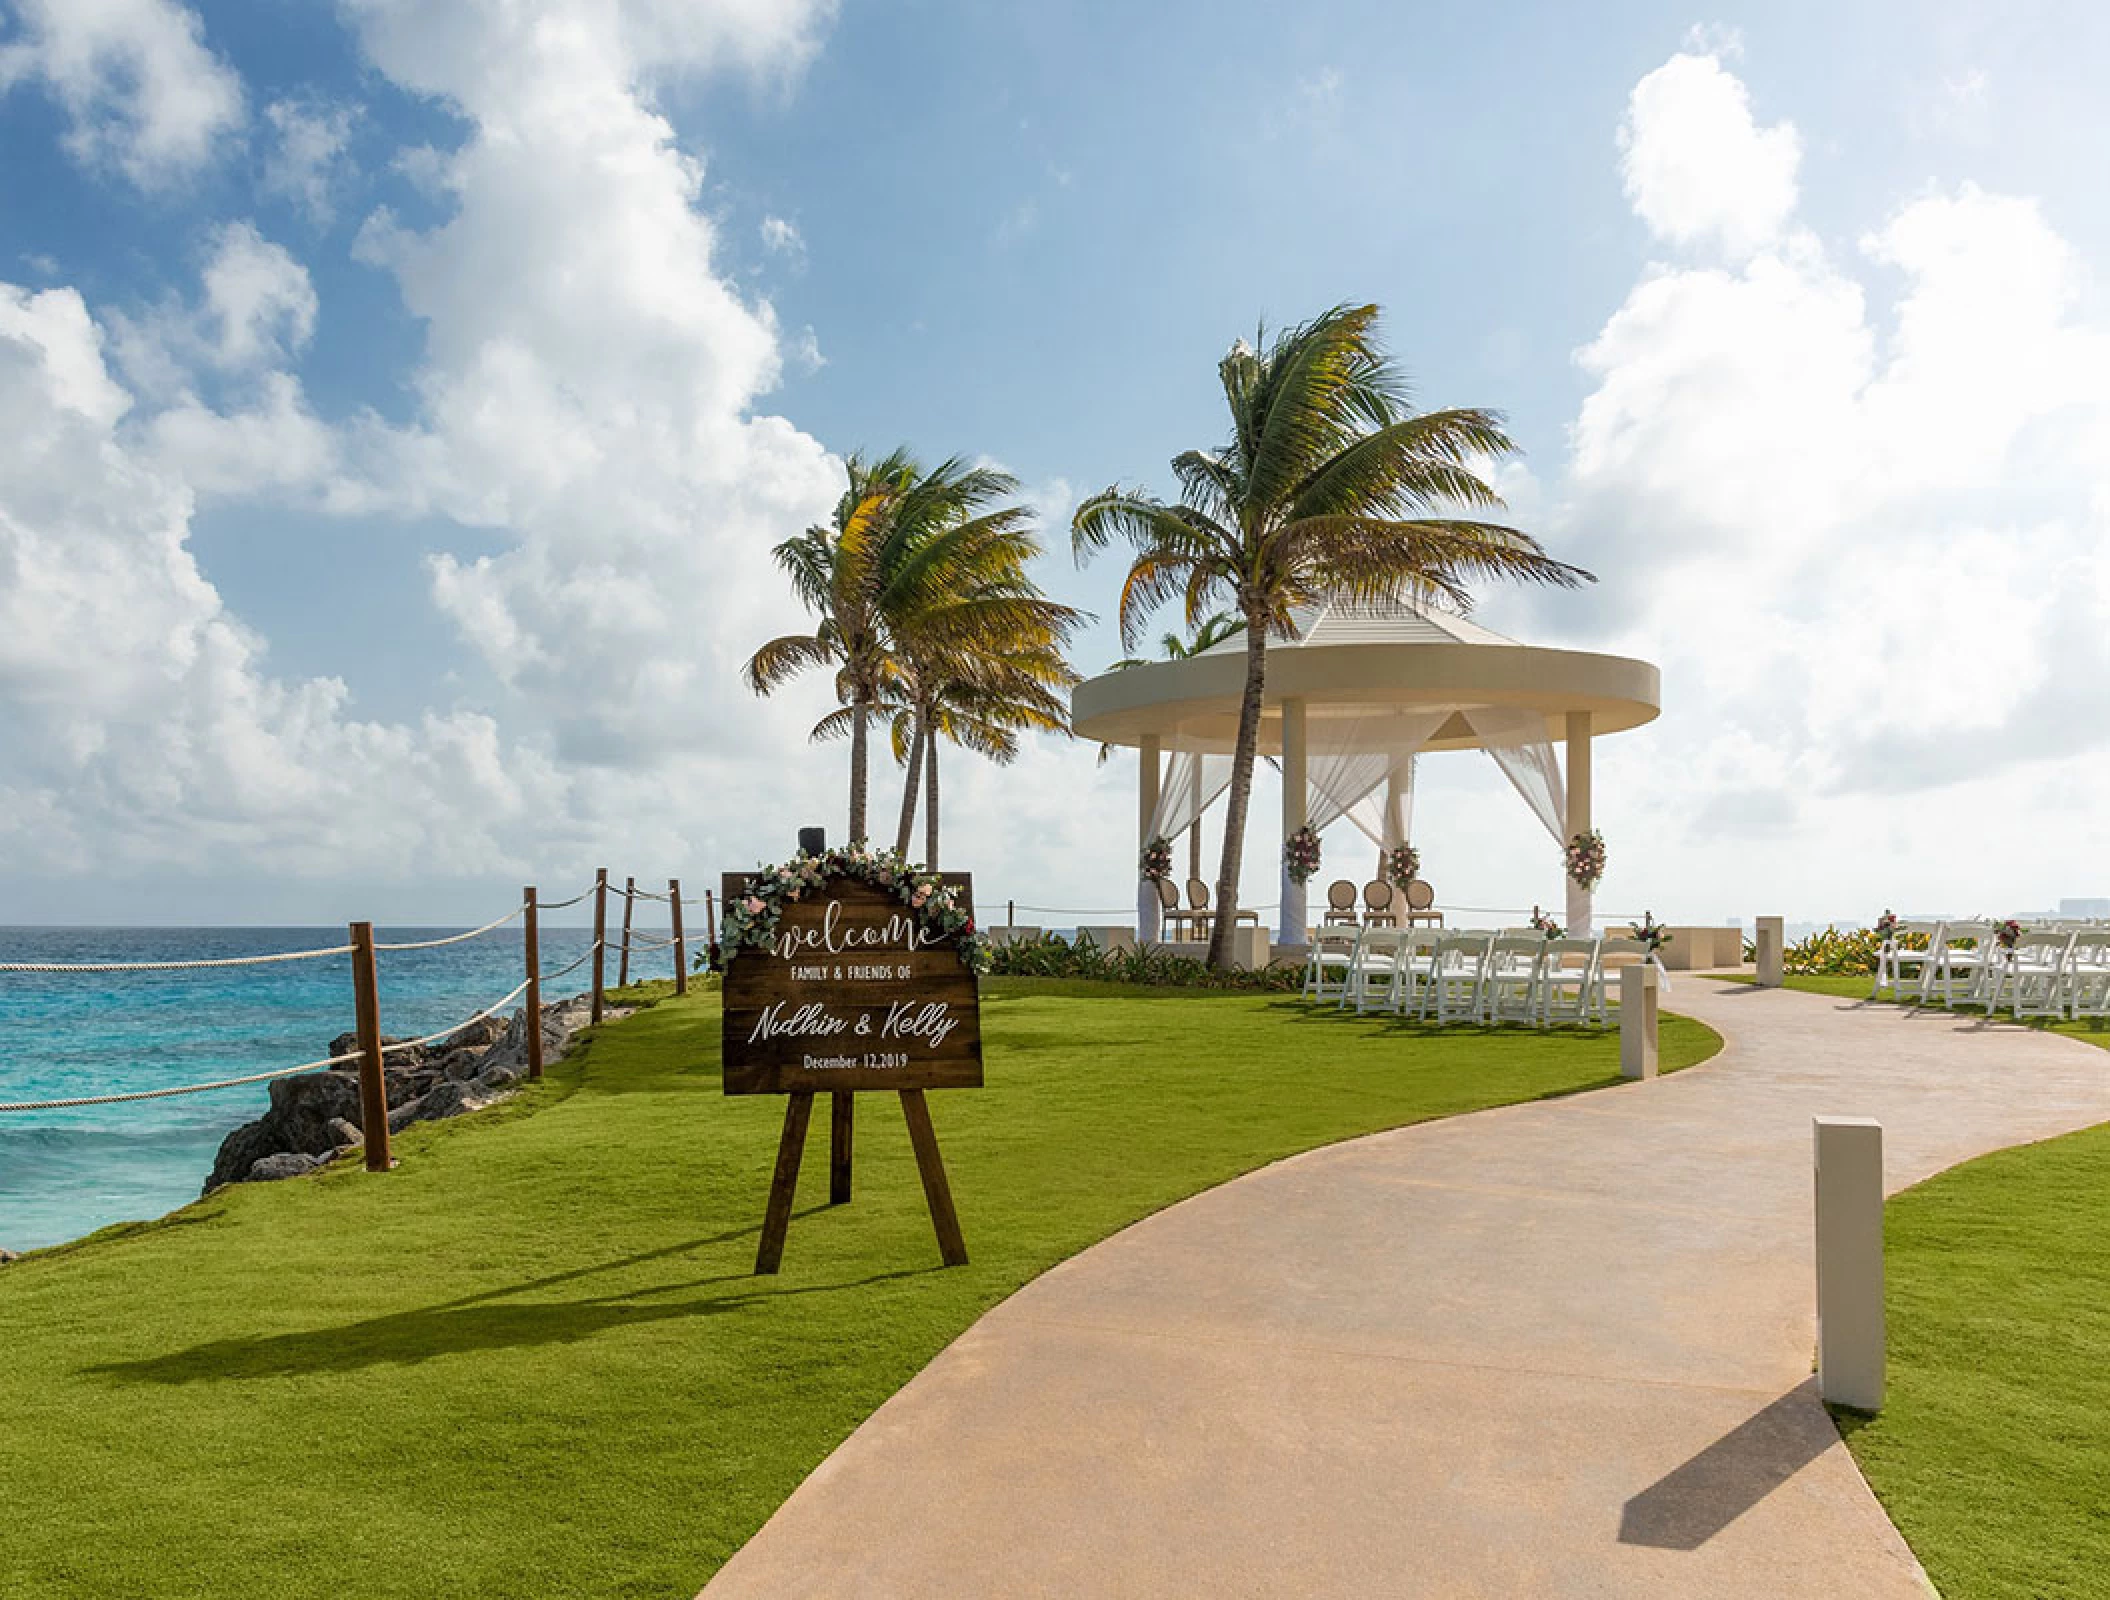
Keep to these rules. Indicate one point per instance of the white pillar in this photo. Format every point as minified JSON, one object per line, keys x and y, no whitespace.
{"x":1637,"y":1020}
{"x":1578,"y":815}
{"x":1850,"y":1261}
{"x":1771,"y":940}
{"x":1290,"y":925}
{"x":1147,"y":907}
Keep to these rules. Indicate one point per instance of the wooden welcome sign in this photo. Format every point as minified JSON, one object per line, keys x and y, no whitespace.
{"x":849,"y":989}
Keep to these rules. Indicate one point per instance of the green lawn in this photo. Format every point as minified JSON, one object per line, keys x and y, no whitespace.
{"x":2093,"y":1030}
{"x":532,"y":1360}
{"x":1992,"y":1451}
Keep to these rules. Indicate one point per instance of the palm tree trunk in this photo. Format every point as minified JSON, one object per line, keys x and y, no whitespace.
{"x":1241,"y":789}
{"x":859,"y":738}
{"x":905,"y":835}
{"x":930,"y":801}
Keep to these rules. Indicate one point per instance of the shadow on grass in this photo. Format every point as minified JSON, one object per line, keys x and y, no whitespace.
{"x":478,"y":1323}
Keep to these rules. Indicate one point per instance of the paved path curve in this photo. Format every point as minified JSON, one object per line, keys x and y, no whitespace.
{"x":1560,"y":1349}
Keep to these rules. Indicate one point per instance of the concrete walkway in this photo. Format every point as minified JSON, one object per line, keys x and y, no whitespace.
{"x":1560,"y":1349}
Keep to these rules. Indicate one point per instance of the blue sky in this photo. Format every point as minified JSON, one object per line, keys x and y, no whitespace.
{"x":455,"y":372}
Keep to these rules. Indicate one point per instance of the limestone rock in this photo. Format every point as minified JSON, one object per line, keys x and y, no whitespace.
{"x":286,"y":1164}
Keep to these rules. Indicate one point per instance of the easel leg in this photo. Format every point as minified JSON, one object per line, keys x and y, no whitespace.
{"x":840,"y":1125}
{"x":931,"y":1167}
{"x":784,"y":1186}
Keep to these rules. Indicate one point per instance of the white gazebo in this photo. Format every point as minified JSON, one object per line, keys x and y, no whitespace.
{"x":1352,"y":699}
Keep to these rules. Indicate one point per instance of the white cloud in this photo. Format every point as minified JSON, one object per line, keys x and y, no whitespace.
{"x":255,"y":312}
{"x":1859,"y":528}
{"x":141,"y":727}
{"x":142,"y":90}
{"x":1697,"y":166}
{"x":782,"y":238}
{"x":307,"y":160}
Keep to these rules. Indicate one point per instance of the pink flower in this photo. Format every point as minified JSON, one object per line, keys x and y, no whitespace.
{"x":922,"y":894}
{"x":754,"y":906}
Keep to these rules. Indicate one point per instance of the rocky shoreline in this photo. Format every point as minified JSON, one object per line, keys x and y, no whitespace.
{"x":314,"y":1118}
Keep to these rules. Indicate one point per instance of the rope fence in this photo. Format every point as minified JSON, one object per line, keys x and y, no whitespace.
{"x":365,"y":951}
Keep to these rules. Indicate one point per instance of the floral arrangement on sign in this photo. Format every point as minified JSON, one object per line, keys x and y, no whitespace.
{"x":1585,"y":858}
{"x":751,"y":920}
{"x":1402,"y":865}
{"x":1300,"y":855}
{"x":1887,"y":925}
{"x":2007,"y":933}
{"x":1157,"y":860}
{"x":1544,"y":922}
{"x":1651,"y":932}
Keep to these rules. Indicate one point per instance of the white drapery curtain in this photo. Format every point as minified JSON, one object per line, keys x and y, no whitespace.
{"x":1192,"y":783}
{"x":1350,"y":761}
{"x":1517,"y":739}
{"x":1385,"y":827}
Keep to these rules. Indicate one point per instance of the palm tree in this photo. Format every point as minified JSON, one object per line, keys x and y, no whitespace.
{"x":1214,"y":629}
{"x":1329,"y":484}
{"x":900,"y":540}
{"x":980,"y":701}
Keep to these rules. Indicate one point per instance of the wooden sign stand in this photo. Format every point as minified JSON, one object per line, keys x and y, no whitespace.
{"x":791,"y":1149}
{"x":908,"y":1016}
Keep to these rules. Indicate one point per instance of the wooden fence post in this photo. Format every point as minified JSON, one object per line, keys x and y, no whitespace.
{"x":531,"y":937}
{"x":600,"y":936}
{"x":710,"y":918}
{"x":681,"y":947}
{"x":622,"y":971}
{"x":373,"y":1087}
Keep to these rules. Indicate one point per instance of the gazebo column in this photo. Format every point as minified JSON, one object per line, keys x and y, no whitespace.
{"x":1578,"y":815}
{"x":1290,"y":925}
{"x":1147,"y":906}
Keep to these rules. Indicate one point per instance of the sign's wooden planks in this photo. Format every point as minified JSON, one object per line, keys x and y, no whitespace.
{"x":851,"y":994}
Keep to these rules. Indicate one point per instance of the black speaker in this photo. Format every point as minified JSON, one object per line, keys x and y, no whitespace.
{"x":813,"y":841}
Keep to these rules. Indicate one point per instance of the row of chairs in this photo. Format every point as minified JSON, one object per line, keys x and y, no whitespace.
{"x":1195,"y":919}
{"x":1516,"y":975}
{"x":1383,"y":905}
{"x":2059,"y":969}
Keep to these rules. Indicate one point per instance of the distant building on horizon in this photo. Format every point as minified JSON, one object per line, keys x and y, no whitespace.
{"x":2097,"y":907}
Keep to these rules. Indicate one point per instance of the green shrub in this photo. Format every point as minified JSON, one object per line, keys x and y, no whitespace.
{"x":1052,"y":957}
{"x":1833,"y":954}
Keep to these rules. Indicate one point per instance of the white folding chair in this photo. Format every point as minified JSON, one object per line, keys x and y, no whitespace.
{"x":1515,"y":964}
{"x":1328,"y":963}
{"x":1613,"y":956}
{"x":1457,"y":963}
{"x":1958,"y":962}
{"x":1898,"y":963}
{"x":2033,"y":978}
{"x":1373,"y":982}
{"x":1566,"y":981}
{"x":2088,"y":973}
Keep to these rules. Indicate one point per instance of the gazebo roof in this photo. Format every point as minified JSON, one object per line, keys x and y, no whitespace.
{"x":1360,"y":661}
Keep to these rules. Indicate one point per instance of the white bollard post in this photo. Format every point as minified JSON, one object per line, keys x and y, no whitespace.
{"x":1850,"y":1261}
{"x":1771,"y":936}
{"x":1637,"y":1021}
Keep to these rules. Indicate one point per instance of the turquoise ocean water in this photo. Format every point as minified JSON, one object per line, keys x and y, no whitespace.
{"x":67,"y":1173}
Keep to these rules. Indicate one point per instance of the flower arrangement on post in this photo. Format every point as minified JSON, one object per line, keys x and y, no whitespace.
{"x":1585,"y":858}
{"x":750,"y":921}
{"x":1402,"y":865}
{"x":1156,"y":861}
{"x":1887,"y":925}
{"x":1544,"y":923}
{"x":1300,"y":855}
{"x":1651,"y":932}
{"x":2007,"y":933}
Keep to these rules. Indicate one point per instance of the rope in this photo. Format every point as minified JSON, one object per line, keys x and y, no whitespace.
{"x":642,"y":949}
{"x":645,"y":894}
{"x":1079,"y":911}
{"x":579,"y":962}
{"x":258,"y":1077}
{"x":456,"y":938}
{"x":189,"y":1088}
{"x":559,"y":905}
{"x":171,"y":966}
